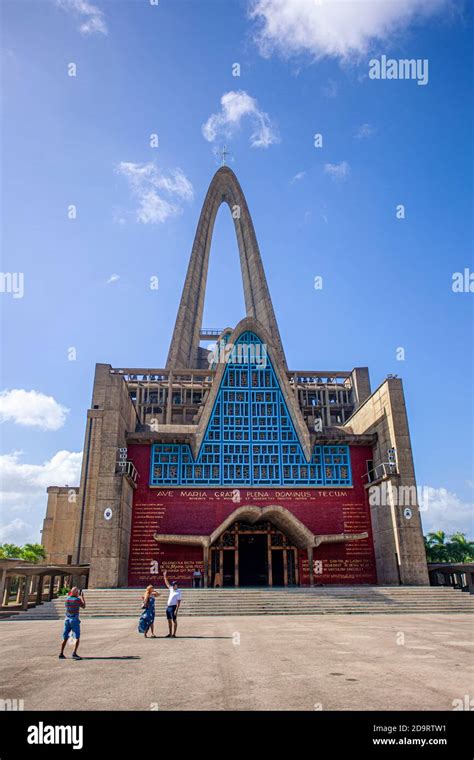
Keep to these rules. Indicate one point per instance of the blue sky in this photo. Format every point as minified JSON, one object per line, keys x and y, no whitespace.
{"x":331,"y":211}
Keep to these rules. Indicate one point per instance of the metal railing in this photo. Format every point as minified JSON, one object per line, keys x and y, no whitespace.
{"x":210,"y":332}
{"x":381,"y":471}
{"x":128,"y":468}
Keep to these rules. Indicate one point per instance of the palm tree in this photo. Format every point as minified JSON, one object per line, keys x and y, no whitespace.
{"x":460,"y":549}
{"x":436,"y":549}
{"x":457,"y":549}
{"x":29,"y":552}
{"x":33,"y":553}
{"x":10,"y":551}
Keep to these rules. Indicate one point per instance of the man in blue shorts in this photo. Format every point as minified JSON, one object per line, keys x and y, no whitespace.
{"x":74,"y":601}
{"x":174,"y":600}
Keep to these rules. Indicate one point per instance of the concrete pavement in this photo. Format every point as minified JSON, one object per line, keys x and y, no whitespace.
{"x":337,"y":662}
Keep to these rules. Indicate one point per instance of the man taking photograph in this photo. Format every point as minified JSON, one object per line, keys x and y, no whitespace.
{"x":72,"y":624}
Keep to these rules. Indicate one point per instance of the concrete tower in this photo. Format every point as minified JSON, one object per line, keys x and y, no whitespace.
{"x":184,"y":349}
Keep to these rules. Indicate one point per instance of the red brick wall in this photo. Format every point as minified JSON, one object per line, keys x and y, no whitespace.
{"x":201,"y":510}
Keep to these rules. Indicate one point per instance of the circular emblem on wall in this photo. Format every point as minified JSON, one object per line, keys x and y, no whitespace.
{"x":108,"y":513}
{"x":407,"y":513}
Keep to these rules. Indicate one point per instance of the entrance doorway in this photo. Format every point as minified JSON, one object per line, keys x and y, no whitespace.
{"x":278,"y":572}
{"x":229,"y":569}
{"x":253,"y":555}
{"x":253,"y":570}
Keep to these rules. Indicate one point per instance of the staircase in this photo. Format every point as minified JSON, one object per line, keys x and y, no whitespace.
{"x":338,"y":600}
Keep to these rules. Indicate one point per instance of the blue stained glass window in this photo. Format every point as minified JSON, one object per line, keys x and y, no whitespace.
{"x":250,"y":438}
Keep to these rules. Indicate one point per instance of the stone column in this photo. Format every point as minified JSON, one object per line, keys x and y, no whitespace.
{"x":221,"y":568}
{"x":3,"y":583}
{"x":39,"y":590}
{"x":26,"y":593}
{"x":360,"y":384}
{"x":6,"y":596}
{"x":205,"y":557}
{"x":52,"y":579}
{"x":311,"y":568}
{"x":19,"y":589}
{"x":470,"y":581}
{"x":169,"y":400}
{"x":328,"y":408}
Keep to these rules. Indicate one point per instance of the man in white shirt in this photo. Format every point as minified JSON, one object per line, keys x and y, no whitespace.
{"x":197,"y":575}
{"x":174,"y":600}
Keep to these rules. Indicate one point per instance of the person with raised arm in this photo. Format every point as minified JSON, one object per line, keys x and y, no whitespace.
{"x":72,"y":624}
{"x":174,"y":600}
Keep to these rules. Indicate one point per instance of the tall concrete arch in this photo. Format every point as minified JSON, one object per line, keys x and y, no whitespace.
{"x":184,"y":350}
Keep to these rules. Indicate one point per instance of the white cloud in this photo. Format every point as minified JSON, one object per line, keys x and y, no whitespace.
{"x":443,"y":510}
{"x":32,"y":409}
{"x":365,"y":130}
{"x":338,"y":172}
{"x":15,"y":531}
{"x":298,"y":176}
{"x":336,"y":28}
{"x":23,"y":492}
{"x":235,"y":106}
{"x":91,"y":18}
{"x":19,"y":480}
{"x":155,"y":209}
{"x":148,"y":184}
{"x":113,"y":278}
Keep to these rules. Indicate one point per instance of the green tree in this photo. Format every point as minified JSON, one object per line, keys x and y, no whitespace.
{"x":10,"y":551}
{"x":435,"y":543}
{"x":29,"y":552}
{"x":33,"y":552}
{"x":453,"y":548}
{"x":460,"y":549}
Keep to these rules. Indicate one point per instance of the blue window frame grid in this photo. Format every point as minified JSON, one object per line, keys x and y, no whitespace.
{"x":250,"y":439}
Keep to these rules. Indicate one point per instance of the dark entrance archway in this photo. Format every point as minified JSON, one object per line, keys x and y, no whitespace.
{"x":253,"y":554}
{"x":253,"y":559}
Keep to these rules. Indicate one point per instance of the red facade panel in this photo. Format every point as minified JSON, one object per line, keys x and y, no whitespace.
{"x":199,"y":511}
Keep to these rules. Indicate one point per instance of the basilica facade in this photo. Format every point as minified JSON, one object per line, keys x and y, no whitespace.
{"x":228,"y":466}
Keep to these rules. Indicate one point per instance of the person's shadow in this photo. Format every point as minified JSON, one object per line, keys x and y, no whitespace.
{"x":118,"y":657}
{"x":194,"y":637}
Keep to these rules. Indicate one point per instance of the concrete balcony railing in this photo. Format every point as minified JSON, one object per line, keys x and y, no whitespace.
{"x":128,"y":469}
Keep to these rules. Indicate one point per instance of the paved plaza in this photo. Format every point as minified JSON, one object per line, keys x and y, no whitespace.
{"x":332,"y":662}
